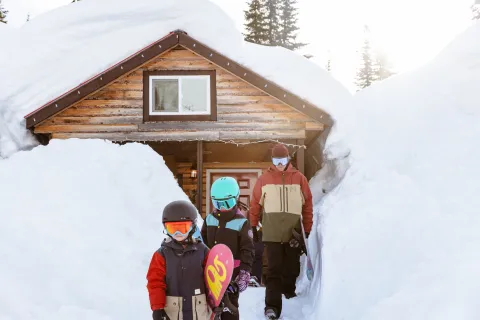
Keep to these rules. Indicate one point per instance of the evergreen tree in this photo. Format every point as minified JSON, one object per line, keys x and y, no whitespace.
{"x":476,"y":11}
{"x":3,"y":13}
{"x":329,"y":65}
{"x":255,"y":23}
{"x":28,"y":17}
{"x":272,"y":22}
{"x":366,"y":75}
{"x":289,"y":28}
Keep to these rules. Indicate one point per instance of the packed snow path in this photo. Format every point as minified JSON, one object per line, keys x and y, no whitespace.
{"x":252,"y":304}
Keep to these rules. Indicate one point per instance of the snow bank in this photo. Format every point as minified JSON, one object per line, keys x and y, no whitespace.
{"x":80,"y":221}
{"x":400,"y":232}
{"x":57,"y":51}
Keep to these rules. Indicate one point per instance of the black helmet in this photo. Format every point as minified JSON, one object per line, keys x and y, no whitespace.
{"x":179,"y":210}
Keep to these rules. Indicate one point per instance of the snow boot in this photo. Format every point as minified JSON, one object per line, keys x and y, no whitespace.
{"x":290,"y":295}
{"x":270,"y":314}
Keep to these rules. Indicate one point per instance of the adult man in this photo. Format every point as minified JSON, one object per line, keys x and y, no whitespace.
{"x":282,"y":195}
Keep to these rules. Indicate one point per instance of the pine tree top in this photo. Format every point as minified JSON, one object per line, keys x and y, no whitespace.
{"x":3,"y":13}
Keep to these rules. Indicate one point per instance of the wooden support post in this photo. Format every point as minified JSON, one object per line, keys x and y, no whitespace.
{"x":200,"y":176}
{"x":301,"y":156}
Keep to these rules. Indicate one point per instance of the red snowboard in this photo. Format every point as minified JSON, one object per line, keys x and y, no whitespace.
{"x":218,"y":273}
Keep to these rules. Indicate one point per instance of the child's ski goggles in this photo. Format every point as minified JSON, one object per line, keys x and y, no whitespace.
{"x":278,"y":161}
{"x":182,"y":227}
{"x":224,"y":204}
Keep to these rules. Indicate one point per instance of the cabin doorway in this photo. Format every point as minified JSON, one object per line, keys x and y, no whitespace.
{"x":246,"y":179}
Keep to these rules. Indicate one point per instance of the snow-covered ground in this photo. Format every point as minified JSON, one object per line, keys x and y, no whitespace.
{"x":81,"y":219}
{"x":401,"y":232}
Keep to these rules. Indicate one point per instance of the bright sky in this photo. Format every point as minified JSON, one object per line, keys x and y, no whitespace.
{"x":410,"y":32}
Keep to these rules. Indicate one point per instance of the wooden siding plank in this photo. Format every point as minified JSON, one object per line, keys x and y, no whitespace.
{"x":179,"y":136}
{"x":242,"y":100}
{"x":92,"y":112}
{"x":254,"y":108}
{"x":232,"y":84}
{"x":118,"y":95}
{"x":181,"y":65}
{"x":93,"y":120}
{"x":235,"y":117}
{"x":110,"y":103}
{"x":240,"y":92}
{"x":211,"y":125}
{"x":140,"y":136}
{"x":87,"y":128}
{"x":226,"y":135}
{"x":314,"y":126}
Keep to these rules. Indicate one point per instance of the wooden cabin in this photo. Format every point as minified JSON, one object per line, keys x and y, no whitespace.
{"x":207,"y":115}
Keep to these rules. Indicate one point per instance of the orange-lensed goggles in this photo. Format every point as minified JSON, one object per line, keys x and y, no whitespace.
{"x":182,"y":227}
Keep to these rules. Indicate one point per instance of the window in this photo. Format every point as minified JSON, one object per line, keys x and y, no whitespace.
{"x":179,"y":95}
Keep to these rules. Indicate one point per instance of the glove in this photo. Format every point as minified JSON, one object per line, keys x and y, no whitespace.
{"x":297,"y":239}
{"x":297,"y":242}
{"x":242,"y":280}
{"x":294,"y":243}
{"x":160,"y":314}
{"x":255,"y":234}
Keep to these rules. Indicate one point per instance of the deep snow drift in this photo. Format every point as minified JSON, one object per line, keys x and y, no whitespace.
{"x":65,"y":47}
{"x":401,"y":232}
{"x":80,"y":221}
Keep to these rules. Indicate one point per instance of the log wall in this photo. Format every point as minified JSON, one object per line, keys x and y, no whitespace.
{"x":116,"y":112}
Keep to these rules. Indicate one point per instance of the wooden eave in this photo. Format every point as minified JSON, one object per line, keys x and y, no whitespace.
{"x":168,"y":42}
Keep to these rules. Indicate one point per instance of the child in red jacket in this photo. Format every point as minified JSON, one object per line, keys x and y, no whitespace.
{"x":176,"y":273}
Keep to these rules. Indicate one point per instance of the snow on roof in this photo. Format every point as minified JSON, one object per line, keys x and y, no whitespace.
{"x":59,"y":50}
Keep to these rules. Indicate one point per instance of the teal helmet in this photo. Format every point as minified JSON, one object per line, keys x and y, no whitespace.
{"x":225,"y":193}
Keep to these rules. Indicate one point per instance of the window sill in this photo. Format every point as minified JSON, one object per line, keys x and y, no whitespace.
{"x":201,"y":117}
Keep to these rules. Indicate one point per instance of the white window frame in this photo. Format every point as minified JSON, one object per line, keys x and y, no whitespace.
{"x":180,"y":111}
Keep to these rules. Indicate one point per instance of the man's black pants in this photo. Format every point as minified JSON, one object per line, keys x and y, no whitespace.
{"x":283,"y":270}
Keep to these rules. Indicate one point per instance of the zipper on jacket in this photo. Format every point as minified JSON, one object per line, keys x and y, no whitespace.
{"x":281,"y":200}
{"x":286,"y":198}
{"x":283,"y":190}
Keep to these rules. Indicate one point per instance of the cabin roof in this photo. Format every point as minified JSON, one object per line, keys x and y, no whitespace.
{"x":173,"y":39}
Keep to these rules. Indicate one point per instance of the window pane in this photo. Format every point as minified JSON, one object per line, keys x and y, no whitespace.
{"x":165,"y":95}
{"x":194,"y":94}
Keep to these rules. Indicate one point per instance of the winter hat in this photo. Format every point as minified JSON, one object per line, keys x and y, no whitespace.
{"x":279,"y":151}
